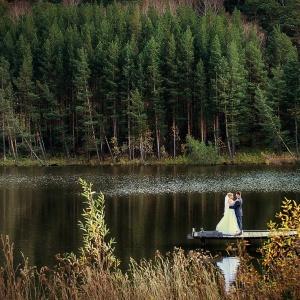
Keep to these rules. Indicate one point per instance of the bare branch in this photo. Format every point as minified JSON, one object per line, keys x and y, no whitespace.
{"x":17,"y":9}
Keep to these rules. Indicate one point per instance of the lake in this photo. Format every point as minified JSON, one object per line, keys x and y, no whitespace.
{"x":148,"y":208}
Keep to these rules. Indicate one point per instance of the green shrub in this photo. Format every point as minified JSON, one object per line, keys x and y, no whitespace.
{"x":199,"y":153}
{"x":280,"y":263}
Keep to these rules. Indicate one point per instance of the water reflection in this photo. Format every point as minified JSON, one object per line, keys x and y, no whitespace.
{"x":153,"y":180}
{"x":148,"y":208}
{"x":228,"y":267}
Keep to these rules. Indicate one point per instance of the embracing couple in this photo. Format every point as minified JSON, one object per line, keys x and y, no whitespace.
{"x":231,"y":223}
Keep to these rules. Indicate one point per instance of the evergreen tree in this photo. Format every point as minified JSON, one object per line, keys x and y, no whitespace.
{"x":170,"y":82}
{"x":8,"y":48}
{"x":153,"y":90}
{"x":268,"y":120}
{"x":6,"y":111}
{"x":292,"y":78}
{"x":51,"y":62}
{"x":201,"y":103}
{"x":29,"y":115}
{"x":237,"y":94}
{"x":186,"y":77}
{"x":70,"y":50}
{"x":53,"y":121}
{"x":99,"y":91}
{"x":116,"y":17}
{"x":225,"y":106}
{"x":29,"y":33}
{"x":10,"y":123}
{"x":84,"y":109}
{"x":134,"y":22}
{"x":110,"y":79}
{"x":257,"y":75}
{"x":51,"y":89}
{"x":278,"y":47}
{"x":138,"y":119}
{"x":128,"y":82}
{"x":214,"y":101}
{"x":86,"y":39}
{"x":277,"y":90}
{"x":202,"y":41}
{"x":267,"y":117}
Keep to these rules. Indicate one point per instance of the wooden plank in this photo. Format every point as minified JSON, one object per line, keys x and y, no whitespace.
{"x":247,"y":234}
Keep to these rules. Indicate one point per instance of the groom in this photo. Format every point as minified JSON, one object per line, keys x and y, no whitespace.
{"x":238,"y":211}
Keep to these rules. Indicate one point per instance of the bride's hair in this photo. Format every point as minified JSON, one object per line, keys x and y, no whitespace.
{"x":227,"y":200}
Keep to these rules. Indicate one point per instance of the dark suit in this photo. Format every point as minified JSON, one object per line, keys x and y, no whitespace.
{"x":238,"y":211}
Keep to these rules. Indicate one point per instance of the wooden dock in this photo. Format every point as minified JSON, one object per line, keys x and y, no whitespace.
{"x":247,"y":234}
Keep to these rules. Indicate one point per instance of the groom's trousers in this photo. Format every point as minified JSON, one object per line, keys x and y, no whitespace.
{"x":240,"y":223}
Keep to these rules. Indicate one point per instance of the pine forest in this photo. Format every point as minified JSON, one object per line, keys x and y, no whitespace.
{"x":135,"y":79}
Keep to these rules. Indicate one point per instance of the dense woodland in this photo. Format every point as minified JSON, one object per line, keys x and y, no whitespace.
{"x":134,"y":80}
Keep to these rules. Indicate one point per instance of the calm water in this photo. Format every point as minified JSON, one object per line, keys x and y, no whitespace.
{"x":148,"y":208}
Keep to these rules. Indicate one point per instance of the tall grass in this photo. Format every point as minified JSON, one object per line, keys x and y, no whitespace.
{"x":177,"y":275}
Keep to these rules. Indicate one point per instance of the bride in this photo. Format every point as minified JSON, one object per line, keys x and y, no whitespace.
{"x":228,"y":224}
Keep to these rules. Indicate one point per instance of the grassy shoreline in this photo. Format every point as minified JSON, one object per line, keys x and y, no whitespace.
{"x":241,"y":158}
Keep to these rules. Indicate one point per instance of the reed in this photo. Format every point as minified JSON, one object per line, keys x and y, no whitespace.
{"x":177,"y":275}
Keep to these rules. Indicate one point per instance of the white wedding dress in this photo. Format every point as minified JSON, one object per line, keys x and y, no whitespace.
{"x":228,"y":224}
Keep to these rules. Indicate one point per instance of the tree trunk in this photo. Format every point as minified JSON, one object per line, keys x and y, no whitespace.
{"x":3,"y":140}
{"x":13,"y":147}
{"x":157,"y":141}
{"x":174,"y":138}
{"x":202,"y":126}
{"x":216,"y":134}
{"x":32,"y":152}
{"x":112,"y":156}
{"x":296,"y":139}
{"x":42,"y":146}
{"x":189,"y":117}
{"x":93,"y":127}
{"x":129,"y":138}
{"x":228,"y":137}
{"x":66,"y":150}
{"x":142,"y":149}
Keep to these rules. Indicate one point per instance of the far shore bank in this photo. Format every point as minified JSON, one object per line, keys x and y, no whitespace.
{"x":241,"y":158}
